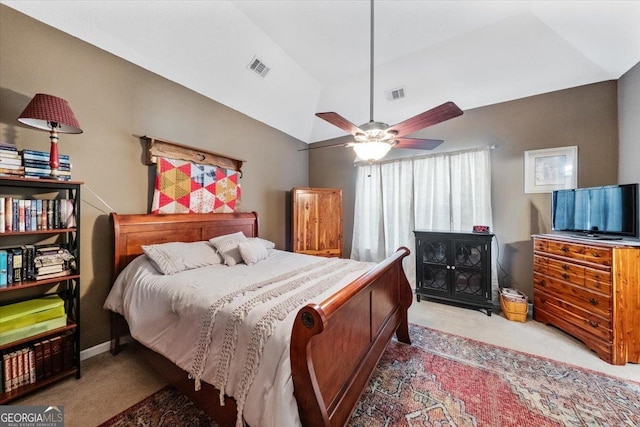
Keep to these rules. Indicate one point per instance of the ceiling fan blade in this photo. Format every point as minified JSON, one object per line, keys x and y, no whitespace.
{"x":417,"y":144}
{"x":436,"y":115}
{"x":339,"y":121}
{"x":342,"y":144}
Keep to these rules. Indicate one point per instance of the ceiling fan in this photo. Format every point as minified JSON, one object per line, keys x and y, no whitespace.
{"x":373,"y":140}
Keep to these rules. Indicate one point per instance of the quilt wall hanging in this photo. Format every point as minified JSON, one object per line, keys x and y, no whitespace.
{"x":189,"y":180}
{"x":187,"y":187}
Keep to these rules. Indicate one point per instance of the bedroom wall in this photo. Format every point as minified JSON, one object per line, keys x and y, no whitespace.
{"x":585,"y":116}
{"x":628,"y":113}
{"x":115,"y":102}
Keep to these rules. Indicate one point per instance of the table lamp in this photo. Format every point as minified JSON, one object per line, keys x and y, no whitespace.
{"x":51,"y":113}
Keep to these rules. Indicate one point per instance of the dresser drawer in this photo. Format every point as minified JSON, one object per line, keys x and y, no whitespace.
{"x":598,"y":280}
{"x":602,"y":347}
{"x":579,"y":296}
{"x":584,"y":319}
{"x":567,"y":271}
{"x":592,"y":254}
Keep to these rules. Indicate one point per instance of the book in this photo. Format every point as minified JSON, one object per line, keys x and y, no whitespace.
{"x":46,"y":358}
{"x":50,"y":206}
{"x":68,"y":353}
{"x":3,"y":268}
{"x":9,"y":154}
{"x":56,"y":355}
{"x":41,"y":164}
{"x":16,"y":264}
{"x":20,"y":368}
{"x":48,"y":249}
{"x":38,"y":214}
{"x":45,"y":206}
{"x":53,"y":268}
{"x":14,"y":370}
{"x":34,"y":220}
{"x":6,"y":370}
{"x":31,"y":365}
{"x":56,"y":213}
{"x":11,"y":161}
{"x":14,"y":224}
{"x":8,"y":213}
{"x":12,"y":171}
{"x":8,"y":147}
{"x":57,"y":258}
{"x":2,"y":220}
{"x":29,"y":254}
{"x":6,"y":364}
{"x":39,"y":362}
{"x":46,"y":171}
{"x":9,"y":267}
{"x":27,"y":215}
{"x":70,"y":213}
{"x":20,"y":215}
{"x":10,"y":167}
{"x":53,"y":275}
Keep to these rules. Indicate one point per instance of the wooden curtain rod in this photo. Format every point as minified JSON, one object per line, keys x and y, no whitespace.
{"x":156,"y":147}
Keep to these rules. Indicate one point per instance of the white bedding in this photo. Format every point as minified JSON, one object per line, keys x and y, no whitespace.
{"x":251,"y":309}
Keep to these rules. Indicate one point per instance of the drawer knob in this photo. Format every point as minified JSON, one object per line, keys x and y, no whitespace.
{"x":596,"y":254}
{"x":542,"y":283}
{"x":594,"y":324}
{"x":593,"y":301}
{"x":565,"y":267}
{"x":565,"y":249}
{"x":565,"y":276}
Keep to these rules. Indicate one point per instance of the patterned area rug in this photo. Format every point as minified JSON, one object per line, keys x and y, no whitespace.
{"x":444,"y":380}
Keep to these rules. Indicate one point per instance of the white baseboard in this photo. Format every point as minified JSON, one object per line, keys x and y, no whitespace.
{"x":100,"y":348}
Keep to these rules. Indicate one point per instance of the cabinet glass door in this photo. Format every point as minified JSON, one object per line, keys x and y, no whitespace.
{"x":434,"y":266}
{"x":469,"y":270}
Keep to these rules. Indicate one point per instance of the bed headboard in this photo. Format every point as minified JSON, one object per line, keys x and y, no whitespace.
{"x":134,"y":230}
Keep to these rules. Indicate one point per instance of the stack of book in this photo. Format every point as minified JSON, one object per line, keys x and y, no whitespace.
{"x":36,"y":164}
{"x":52,"y":261}
{"x":10,"y":161}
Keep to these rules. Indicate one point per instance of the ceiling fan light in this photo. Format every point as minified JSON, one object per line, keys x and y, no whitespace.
{"x":371,"y":151}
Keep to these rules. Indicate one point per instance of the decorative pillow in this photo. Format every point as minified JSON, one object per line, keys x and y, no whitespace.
{"x":252,"y":251}
{"x":227,"y":246}
{"x":267,"y":243}
{"x":171,"y":258}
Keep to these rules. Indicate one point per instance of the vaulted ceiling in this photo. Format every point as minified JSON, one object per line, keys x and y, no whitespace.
{"x":474,"y":53}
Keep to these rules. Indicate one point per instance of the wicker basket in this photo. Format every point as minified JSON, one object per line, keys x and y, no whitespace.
{"x":514,"y":304}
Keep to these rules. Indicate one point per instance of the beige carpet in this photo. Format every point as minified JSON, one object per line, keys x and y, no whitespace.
{"x":110,"y":384}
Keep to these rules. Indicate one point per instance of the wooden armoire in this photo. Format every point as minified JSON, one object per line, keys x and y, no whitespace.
{"x":317,"y":221}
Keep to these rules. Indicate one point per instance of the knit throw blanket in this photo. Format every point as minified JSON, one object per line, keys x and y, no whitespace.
{"x":292,"y":290}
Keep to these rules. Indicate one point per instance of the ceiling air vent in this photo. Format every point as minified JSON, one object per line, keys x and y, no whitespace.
{"x":394,"y":94}
{"x":258,"y":67}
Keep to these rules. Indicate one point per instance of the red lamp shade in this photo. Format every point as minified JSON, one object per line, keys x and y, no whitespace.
{"x":47,"y":112}
{"x":51,"y":113}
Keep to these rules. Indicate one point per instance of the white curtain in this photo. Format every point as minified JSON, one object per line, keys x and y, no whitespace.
{"x":443,"y":192}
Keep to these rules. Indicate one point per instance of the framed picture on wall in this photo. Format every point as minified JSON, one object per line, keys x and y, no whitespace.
{"x":550,"y":169}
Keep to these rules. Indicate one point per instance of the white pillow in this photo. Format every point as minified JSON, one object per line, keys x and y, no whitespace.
{"x":267,"y":243}
{"x":227,"y":246}
{"x":173,"y":257}
{"x":252,"y":251}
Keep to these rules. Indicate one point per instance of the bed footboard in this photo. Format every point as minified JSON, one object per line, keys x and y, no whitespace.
{"x":337,"y":344}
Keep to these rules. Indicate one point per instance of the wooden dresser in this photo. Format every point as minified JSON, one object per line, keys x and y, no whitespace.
{"x":591,"y":290}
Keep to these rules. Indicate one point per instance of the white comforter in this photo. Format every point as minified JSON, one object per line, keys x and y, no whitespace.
{"x":212,"y":317}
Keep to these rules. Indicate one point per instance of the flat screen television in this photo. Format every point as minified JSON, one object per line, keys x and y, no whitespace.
{"x":607,"y":212}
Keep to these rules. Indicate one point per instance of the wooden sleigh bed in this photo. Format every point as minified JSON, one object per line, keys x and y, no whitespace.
{"x":357,"y":322}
